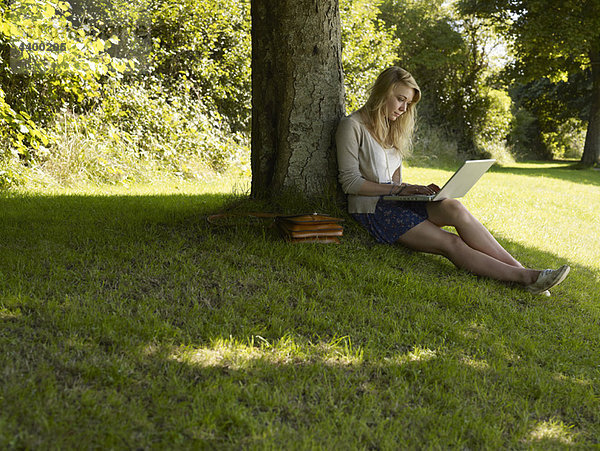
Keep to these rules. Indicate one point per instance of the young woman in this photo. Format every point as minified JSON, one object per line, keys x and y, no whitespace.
{"x":371,"y":144}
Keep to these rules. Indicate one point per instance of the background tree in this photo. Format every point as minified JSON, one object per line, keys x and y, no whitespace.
{"x":554,"y":40}
{"x":368,"y":47}
{"x":551,"y":117}
{"x":297,"y":95}
{"x":448,"y":55}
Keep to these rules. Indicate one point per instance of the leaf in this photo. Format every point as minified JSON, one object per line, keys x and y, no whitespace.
{"x":49,"y":12}
{"x":14,"y":30}
{"x":5,"y":28}
{"x":98,"y":46}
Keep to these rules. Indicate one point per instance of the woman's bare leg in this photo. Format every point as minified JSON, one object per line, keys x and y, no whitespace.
{"x":428,"y":237}
{"x":451,"y":212}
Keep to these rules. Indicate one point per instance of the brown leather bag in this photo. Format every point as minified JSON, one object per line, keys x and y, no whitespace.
{"x":310,"y":228}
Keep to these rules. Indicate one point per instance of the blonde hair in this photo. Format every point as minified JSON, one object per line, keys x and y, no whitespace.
{"x":397,"y":134}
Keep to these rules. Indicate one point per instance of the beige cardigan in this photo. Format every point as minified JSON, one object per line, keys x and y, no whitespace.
{"x":360,"y":157}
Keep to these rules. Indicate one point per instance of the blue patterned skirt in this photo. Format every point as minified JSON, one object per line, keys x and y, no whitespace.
{"x":392,"y":219}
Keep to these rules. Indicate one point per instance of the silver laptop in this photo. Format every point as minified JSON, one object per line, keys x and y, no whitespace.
{"x":458,"y":185}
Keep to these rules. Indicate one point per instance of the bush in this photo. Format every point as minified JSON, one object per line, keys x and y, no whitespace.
{"x":567,"y":141}
{"x":49,"y":64}
{"x":209,"y":43}
{"x":525,"y":137}
{"x":11,"y":171}
{"x":492,"y":129}
{"x":368,"y":47}
{"x":140,"y":131}
{"x":434,"y":147}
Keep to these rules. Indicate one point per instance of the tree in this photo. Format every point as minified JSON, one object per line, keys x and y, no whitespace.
{"x":553,"y":39}
{"x":297,"y":95}
{"x":448,"y":57}
{"x":368,"y":47}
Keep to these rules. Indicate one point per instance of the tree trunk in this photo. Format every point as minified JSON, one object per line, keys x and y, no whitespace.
{"x":591,"y":150}
{"x":297,"y":95}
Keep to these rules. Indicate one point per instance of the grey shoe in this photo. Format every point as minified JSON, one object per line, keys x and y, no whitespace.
{"x":548,"y":278}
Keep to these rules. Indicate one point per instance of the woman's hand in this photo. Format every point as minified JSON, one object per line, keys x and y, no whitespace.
{"x":407,"y":189}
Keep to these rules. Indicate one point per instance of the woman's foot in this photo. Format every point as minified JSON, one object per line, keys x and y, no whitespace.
{"x":547,"y":279}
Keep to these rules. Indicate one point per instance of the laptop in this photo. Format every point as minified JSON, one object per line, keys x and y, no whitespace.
{"x":458,"y":185}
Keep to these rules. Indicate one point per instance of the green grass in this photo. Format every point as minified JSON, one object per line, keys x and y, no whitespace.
{"x":127,"y":321}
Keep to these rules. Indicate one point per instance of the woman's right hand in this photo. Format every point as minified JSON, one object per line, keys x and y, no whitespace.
{"x":419,"y":189}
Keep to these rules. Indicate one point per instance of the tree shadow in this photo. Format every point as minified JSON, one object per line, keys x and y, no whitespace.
{"x":562,"y":170}
{"x":132,"y":321}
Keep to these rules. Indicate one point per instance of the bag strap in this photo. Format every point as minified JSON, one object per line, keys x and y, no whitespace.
{"x":302,"y":218}
{"x":212,"y":219}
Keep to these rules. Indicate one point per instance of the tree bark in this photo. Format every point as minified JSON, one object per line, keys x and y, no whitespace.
{"x":297,"y":95}
{"x":591,"y":149}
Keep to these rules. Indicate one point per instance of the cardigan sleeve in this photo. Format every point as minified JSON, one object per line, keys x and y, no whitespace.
{"x":348,"y":138}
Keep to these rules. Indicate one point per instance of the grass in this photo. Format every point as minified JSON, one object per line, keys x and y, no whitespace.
{"x":127,"y":321}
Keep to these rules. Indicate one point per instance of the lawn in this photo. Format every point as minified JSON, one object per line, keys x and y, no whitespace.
{"x":128,"y":321}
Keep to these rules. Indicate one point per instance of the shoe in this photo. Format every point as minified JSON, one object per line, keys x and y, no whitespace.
{"x":548,"y":278}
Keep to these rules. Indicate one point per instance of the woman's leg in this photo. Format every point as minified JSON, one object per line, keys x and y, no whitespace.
{"x":428,"y":237}
{"x":451,"y":212}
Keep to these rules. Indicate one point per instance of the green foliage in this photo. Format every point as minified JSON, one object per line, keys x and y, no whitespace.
{"x":11,"y":172}
{"x":434,"y":147}
{"x":525,"y":136}
{"x":191,"y":62}
{"x":492,"y":129}
{"x":495,"y":125}
{"x":368,"y":46}
{"x":448,"y":55}
{"x":559,"y":107}
{"x":431,"y":49}
{"x":567,"y":140}
{"x":550,"y":38}
{"x":139,"y":131}
{"x":553,"y":42}
{"x":50,"y":64}
{"x":209,"y":44}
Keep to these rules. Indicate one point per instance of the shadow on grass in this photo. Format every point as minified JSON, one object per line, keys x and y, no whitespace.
{"x":562,"y":170}
{"x":130,"y":321}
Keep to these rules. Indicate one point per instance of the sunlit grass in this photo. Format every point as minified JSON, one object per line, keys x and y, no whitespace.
{"x":231,"y":353}
{"x":230,"y":182}
{"x":553,"y":431}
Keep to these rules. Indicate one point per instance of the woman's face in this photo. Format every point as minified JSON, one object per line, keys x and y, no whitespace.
{"x":398,"y":102}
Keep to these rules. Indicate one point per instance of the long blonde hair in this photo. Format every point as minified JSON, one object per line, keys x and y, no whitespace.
{"x":397,"y":134}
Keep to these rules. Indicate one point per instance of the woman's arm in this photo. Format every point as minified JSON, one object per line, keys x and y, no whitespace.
{"x":369,"y":188}
{"x":353,"y":182}
{"x":402,"y":189}
{"x":348,"y":139}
